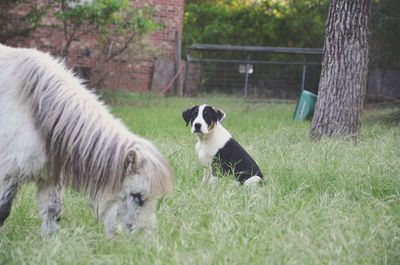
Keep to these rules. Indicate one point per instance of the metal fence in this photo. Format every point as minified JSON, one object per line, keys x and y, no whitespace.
{"x":251,"y":72}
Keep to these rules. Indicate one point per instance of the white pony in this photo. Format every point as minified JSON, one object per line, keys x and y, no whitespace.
{"x":54,"y":132}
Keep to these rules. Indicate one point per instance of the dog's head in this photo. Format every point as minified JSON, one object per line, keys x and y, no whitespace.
{"x":203,"y":118}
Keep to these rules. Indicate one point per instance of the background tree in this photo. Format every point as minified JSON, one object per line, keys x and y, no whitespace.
{"x":118,"y":27}
{"x":289,"y":23}
{"x":385,"y":34}
{"x":16,"y":24}
{"x":124,"y":37}
{"x":107,"y":18}
{"x":344,"y":72}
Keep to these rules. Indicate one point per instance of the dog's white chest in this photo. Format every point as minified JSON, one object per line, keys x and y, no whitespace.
{"x":205,"y":153}
{"x":207,"y":147}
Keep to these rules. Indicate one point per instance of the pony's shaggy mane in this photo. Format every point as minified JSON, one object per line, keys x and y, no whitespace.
{"x":85,"y":145}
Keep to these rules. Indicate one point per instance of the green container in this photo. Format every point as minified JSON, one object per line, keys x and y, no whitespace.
{"x":305,"y":106}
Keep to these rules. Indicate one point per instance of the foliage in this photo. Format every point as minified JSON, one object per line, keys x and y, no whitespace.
{"x":118,"y":27}
{"x":327,"y":202}
{"x":288,"y":23}
{"x":108,"y":18}
{"x":14,"y":24}
{"x":385,"y":32}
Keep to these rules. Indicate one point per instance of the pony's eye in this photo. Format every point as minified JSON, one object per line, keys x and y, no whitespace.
{"x":137,"y":198}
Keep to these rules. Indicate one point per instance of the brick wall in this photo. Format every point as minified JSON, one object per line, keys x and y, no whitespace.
{"x":123,"y":74}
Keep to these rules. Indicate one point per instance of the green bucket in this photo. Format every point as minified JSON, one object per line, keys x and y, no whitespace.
{"x":305,"y":106}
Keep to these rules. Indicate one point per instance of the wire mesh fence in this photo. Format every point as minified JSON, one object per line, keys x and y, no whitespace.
{"x":226,"y":72}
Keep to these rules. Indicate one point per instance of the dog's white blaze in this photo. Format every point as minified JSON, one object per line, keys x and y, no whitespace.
{"x":200,"y":120}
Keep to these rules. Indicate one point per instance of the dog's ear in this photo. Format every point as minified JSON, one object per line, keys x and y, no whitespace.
{"x":187,"y":114}
{"x":220,"y":115}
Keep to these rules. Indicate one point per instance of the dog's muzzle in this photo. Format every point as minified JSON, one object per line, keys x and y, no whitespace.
{"x":197,"y":128}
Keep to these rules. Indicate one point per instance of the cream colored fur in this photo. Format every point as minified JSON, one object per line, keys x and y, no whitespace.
{"x":55,"y":132}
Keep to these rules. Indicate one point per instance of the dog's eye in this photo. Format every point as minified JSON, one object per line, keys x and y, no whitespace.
{"x":205,"y":115}
{"x":137,"y":198}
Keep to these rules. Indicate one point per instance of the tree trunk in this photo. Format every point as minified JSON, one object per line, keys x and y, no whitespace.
{"x":344,"y":71}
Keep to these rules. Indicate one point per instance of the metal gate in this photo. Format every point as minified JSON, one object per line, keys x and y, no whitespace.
{"x":251,"y":72}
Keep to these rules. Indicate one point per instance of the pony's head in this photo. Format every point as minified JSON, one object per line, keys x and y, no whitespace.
{"x":131,"y":207}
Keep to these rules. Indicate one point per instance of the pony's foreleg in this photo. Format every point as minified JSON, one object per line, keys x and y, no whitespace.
{"x":49,"y":202}
{"x":8,"y":189}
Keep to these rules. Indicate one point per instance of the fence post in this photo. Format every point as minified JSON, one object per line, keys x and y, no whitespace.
{"x":246,"y":78}
{"x":303,"y":78}
{"x":178,"y":84}
{"x":186,"y":75}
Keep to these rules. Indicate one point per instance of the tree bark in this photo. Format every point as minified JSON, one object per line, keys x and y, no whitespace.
{"x":344,"y":71}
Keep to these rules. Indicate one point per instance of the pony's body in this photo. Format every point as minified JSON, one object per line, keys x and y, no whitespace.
{"x":55,"y":132}
{"x":20,"y":146}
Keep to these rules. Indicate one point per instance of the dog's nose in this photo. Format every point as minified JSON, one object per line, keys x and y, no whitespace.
{"x":197,"y":126}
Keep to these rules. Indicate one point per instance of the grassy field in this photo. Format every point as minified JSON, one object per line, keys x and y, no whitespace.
{"x":327,"y":202}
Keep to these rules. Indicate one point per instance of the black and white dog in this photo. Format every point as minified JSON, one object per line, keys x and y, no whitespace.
{"x":217,"y":149}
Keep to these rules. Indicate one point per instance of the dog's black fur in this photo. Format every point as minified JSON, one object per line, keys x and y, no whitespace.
{"x":233,"y":159}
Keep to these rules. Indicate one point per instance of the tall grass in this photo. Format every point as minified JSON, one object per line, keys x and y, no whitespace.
{"x":325,"y":202}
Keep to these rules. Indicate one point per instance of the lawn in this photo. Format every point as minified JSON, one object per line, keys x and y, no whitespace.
{"x":326,"y":202}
